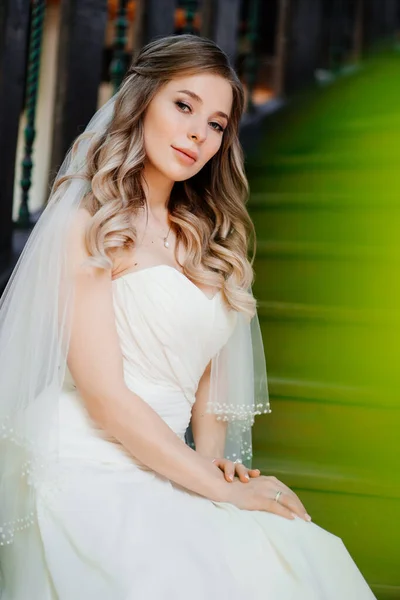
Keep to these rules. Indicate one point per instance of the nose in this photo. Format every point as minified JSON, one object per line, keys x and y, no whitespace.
{"x":198,"y":132}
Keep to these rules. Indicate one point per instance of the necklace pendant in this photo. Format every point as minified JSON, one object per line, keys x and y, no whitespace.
{"x":166,"y":243}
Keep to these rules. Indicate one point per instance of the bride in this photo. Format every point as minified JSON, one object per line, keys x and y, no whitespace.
{"x":128,"y":316}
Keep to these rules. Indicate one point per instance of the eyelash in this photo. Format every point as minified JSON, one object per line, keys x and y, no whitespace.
{"x":179,"y":104}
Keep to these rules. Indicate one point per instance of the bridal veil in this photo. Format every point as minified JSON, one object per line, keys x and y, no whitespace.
{"x":35,"y":316}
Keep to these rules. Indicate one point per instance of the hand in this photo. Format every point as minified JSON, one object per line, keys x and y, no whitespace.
{"x":230,"y":469}
{"x":260,"y":494}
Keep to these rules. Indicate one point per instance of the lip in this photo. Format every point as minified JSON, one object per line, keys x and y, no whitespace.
{"x":189,"y":153}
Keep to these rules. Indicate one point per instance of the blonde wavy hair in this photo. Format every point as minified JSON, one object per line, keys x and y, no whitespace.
{"x":207,"y":211}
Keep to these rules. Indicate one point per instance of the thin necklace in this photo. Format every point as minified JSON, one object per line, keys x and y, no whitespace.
{"x":166,"y":242}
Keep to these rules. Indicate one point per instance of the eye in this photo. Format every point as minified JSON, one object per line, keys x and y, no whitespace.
{"x":218,"y":127}
{"x":182,"y":106}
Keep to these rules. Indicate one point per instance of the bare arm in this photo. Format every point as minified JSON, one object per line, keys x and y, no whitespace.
{"x":95,"y":362}
{"x":208,"y":433}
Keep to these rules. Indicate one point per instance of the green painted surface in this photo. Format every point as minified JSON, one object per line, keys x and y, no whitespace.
{"x":325,"y":198}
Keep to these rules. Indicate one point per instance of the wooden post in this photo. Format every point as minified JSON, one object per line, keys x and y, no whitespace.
{"x":32,"y":87}
{"x":280,"y":47}
{"x":80,"y":56}
{"x":14,"y":24}
{"x":220,"y":22}
{"x":158,"y":19}
{"x":226,"y":26}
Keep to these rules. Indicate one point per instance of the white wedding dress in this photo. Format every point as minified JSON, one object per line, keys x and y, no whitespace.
{"x":114,"y":530}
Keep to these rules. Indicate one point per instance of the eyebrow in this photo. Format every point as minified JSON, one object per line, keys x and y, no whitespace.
{"x":198,"y":99}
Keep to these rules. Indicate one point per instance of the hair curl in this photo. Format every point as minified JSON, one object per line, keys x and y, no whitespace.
{"x":208,"y":210}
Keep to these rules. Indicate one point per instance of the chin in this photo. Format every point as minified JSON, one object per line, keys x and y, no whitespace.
{"x":178,"y":174}
{"x":184,"y":177}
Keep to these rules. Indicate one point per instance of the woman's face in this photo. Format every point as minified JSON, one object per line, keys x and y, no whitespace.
{"x":188,"y":114}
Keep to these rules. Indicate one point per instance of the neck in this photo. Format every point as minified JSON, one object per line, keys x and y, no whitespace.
{"x":157,"y":189}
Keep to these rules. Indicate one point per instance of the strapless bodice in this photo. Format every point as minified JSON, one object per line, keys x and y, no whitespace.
{"x":169,"y":330}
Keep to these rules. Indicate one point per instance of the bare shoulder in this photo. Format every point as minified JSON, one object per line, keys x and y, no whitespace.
{"x":78,"y":253}
{"x":77,"y":243}
{"x":79,"y":223}
{"x":76,"y":233}
{"x":81,"y":219}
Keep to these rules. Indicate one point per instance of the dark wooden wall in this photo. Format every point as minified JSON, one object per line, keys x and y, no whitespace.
{"x":79,"y":63}
{"x":381,"y":19}
{"x":14,"y":18}
{"x":304,"y":42}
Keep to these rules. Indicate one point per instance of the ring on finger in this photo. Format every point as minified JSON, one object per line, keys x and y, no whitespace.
{"x":278,"y":495}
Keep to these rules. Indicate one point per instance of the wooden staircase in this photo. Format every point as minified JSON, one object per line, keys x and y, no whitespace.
{"x":325,"y":202}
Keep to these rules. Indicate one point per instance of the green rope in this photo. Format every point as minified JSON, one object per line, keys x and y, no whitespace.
{"x":118,"y":65}
{"x":35,"y":46}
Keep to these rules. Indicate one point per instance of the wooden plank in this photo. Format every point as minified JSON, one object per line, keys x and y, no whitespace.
{"x":82,"y":33}
{"x":14,"y":21}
